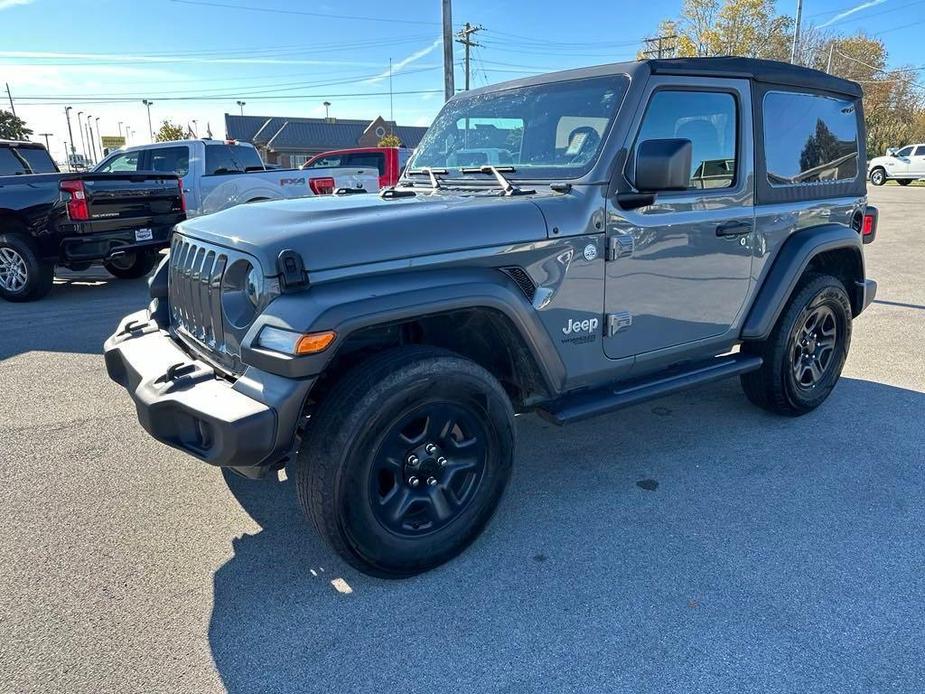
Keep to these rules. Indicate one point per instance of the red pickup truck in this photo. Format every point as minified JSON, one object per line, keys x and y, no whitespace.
{"x":390,"y":161}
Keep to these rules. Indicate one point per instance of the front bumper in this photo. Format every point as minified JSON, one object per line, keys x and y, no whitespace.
{"x":248,"y":424}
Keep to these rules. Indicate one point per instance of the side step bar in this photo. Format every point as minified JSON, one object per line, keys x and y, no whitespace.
{"x":585,"y":404}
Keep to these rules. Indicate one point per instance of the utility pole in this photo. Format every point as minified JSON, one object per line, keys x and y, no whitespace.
{"x":10,"y":95}
{"x":828,"y":67}
{"x":46,"y":136}
{"x":463,"y":38}
{"x":70,"y":135}
{"x":148,"y":103}
{"x":241,"y":105}
{"x":80,"y":129}
{"x":662,"y":48}
{"x":391,"y":103}
{"x":449,"y":88}
{"x":794,"y":50}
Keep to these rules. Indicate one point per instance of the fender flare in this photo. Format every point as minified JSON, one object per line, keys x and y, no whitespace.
{"x":347,"y":306}
{"x":791,"y":262}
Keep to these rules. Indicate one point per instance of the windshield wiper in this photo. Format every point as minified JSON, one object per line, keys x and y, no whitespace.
{"x":432,"y":173}
{"x":508,"y":187}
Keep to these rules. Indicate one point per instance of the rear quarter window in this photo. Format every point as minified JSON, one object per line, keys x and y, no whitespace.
{"x":231,"y":159}
{"x":38,"y":159}
{"x":809,"y":138}
{"x":10,"y":165}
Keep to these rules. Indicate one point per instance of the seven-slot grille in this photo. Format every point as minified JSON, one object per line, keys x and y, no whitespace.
{"x":194,"y":286}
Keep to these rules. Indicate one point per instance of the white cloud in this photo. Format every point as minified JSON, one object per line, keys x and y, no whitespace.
{"x":405,"y":62}
{"x":7,"y":4}
{"x":846,"y":13}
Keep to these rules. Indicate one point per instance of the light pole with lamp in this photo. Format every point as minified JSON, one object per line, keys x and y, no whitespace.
{"x":241,"y":105}
{"x":67,"y":114}
{"x":147,"y":104}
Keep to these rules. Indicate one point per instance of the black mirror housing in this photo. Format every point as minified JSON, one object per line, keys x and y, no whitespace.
{"x":663,"y":165}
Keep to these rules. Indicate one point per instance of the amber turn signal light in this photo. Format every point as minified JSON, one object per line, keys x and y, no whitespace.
{"x":314,"y":342}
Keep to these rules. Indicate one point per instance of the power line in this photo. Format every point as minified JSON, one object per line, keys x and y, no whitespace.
{"x":305,"y":13}
{"x":662,"y":48}
{"x":226,"y":98}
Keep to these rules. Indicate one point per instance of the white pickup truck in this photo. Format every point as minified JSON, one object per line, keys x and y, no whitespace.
{"x":218,"y":174}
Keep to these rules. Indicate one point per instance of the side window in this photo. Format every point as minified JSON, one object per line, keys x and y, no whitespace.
{"x":366,"y":160}
{"x":122,"y":162}
{"x":170,"y":160}
{"x":403,"y":156}
{"x":328,"y":162}
{"x":905,"y":152}
{"x":920,"y":151}
{"x":221,"y":159}
{"x":708,"y":120}
{"x":10,"y":164}
{"x":809,"y":138}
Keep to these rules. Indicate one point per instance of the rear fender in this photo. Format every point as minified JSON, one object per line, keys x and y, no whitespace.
{"x":792,"y":261}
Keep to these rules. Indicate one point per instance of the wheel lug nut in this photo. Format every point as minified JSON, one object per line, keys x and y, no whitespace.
{"x":412,"y":460}
{"x":414,"y":481}
{"x":430,"y":448}
{"x":432,"y":481}
{"x":441,"y":461}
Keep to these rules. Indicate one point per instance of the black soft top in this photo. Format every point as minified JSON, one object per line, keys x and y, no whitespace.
{"x":768,"y":71}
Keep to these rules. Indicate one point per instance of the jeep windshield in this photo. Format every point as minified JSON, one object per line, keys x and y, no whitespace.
{"x":545,"y":131}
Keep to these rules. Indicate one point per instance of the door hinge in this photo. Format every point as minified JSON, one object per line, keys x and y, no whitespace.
{"x":620,"y":246}
{"x":618,"y":321}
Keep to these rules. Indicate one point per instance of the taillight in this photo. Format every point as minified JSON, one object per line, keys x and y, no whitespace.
{"x":869,"y":224}
{"x":321,"y":186}
{"x":182,"y":197}
{"x":868,"y":227}
{"x":77,"y":208}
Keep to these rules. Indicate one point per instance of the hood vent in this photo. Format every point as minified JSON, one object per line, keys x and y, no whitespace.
{"x":522,"y":279}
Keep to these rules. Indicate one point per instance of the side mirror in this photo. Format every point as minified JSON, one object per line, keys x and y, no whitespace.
{"x":891,"y":151}
{"x":661,"y":165}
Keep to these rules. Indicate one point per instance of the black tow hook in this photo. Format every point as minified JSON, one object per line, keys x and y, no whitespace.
{"x":176,"y":371}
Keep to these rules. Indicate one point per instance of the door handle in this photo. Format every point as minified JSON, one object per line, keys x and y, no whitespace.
{"x":730,"y":229}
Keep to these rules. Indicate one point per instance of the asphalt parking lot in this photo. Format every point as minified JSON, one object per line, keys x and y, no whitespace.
{"x":691,"y":544}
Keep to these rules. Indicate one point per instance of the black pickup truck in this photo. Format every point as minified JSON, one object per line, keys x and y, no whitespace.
{"x":50,"y":218}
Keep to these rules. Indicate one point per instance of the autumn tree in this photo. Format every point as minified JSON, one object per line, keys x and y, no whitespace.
{"x":390,"y":140}
{"x":169,"y":132}
{"x":12,"y":127}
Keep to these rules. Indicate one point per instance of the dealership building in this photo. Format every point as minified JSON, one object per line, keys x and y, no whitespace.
{"x":290,"y":142}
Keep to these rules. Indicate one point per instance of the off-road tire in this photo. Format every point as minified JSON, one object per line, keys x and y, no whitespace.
{"x":39,"y":275}
{"x":878,"y":176}
{"x":774,"y":386}
{"x":131,"y":266}
{"x":346,"y":440}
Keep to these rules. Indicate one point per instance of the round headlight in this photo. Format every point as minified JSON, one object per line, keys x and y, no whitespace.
{"x":242,"y":286}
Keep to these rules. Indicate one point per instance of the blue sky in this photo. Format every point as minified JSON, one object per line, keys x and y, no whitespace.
{"x":285,"y":57}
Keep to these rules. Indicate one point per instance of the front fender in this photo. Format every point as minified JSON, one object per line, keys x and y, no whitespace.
{"x":349,"y":305}
{"x":792,"y":260}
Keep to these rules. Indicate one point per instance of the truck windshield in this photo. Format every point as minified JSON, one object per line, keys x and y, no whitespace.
{"x":552,"y":130}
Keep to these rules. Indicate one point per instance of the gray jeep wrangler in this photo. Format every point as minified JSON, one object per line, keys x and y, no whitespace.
{"x":567,"y":244}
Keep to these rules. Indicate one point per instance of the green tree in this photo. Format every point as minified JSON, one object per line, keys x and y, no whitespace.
{"x":12,"y":127}
{"x":390,"y":140}
{"x":169,"y":132}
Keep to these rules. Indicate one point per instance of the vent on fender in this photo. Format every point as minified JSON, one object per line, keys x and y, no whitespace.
{"x":523,"y":280}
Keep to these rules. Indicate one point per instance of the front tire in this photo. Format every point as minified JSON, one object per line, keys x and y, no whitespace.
{"x":23,"y":275}
{"x":878,"y":176}
{"x":804,"y":355}
{"x":406,"y":460}
{"x":131,"y":266}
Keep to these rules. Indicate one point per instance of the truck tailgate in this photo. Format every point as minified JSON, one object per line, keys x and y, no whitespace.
{"x":120,"y":201}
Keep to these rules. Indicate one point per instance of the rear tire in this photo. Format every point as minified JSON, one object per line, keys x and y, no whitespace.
{"x":805,"y":352}
{"x":878,"y":176}
{"x":406,"y":460}
{"x":23,"y":275}
{"x":131,"y":266}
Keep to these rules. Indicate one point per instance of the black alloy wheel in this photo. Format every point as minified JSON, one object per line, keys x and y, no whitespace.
{"x":812,"y":347}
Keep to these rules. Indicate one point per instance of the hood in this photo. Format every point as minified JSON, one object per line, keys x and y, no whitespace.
{"x":339,"y":231}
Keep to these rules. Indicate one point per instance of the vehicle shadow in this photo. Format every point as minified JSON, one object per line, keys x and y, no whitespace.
{"x":693,"y":543}
{"x":80,"y":312}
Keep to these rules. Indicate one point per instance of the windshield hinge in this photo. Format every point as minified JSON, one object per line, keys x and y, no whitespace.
{"x":291,"y":270}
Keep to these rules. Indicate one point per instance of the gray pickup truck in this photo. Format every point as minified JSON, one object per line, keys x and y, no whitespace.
{"x":567,"y":244}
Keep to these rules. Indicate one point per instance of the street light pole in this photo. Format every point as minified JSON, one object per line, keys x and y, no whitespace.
{"x":120,"y":128}
{"x":70,"y":135}
{"x":92,"y":145}
{"x":241,"y":104}
{"x":83,"y":147}
{"x":195,"y":127}
{"x":46,"y":136}
{"x":98,"y":136}
{"x":148,"y":103}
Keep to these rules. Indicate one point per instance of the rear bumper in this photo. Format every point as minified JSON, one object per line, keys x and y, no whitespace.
{"x":866,"y":293}
{"x":248,"y":424}
{"x":100,"y":246}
